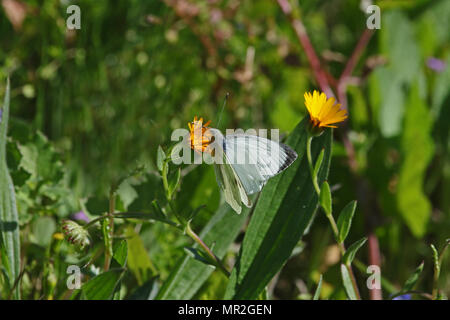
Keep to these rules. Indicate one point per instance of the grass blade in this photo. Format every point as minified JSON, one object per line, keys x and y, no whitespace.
{"x":347,"y":283}
{"x":351,"y":251}
{"x":319,"y":288}
{"x":9,"y":221}
{"x":102,"y":286}
{"x":345,"y":220}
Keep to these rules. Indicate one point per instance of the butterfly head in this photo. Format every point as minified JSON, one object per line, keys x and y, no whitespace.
{"x":200,"y":135}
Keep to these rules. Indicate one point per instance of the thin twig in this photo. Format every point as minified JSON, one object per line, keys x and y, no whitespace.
{"x":302,"y":36}
{"x":342,"y":83}
{"x":208,"y":251}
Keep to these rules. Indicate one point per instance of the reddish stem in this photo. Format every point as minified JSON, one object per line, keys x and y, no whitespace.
{"x":302,"y":36}
{"x":350,"y":66}
{"x":374,"y":259}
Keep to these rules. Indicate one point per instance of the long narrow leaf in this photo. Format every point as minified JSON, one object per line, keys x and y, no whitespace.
{"x":347,"y":283}
{"x":9,"y":221}
{"x":102,"y":286}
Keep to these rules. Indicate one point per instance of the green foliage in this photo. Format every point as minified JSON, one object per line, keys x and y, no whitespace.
{"x":411,"y":282}
{"x":413,"y":203}
{"x":319,"y":288}
{"x":139,"y":261}
{"x":325,"y":198}
{"x":190,"y":274}
{"x":351,"y":251}
{"x":347,"y":281}
{"x":9,"y":218}
{"x":344,"y":221}
{"x":121,"y":252}
{"x":102,"y":286}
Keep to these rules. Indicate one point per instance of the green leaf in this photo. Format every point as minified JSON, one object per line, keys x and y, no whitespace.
{"x":345,"y":220}
{"x":107,"y":236}
{"x":157,"y":209}
{"x":121,"y":252}
{"x":325,"y":197}
{"x":194,"y":212}
{"x":102,"y":286}
{"x":9,"y":220}
{"x":199,"y":255}
{"x":319,"y":288}
{"x":413,"y":204}
{"x":174,"y":182}
{"x":412,"y":280}
{"x":435,"y":259}
{"x":397,"y":37}
{"x":351,"y":251}
{"x":43,"y":229}
{"x":319,"y":162}
{"x":160,"y":157}
{"x":284,"y":211}
{"x":139,"y":261}
{"x":126,"y":195}
{"x":147,"y":291}
{"x":391,"y":104}
{"x":190,"y":274}
{"x":348,"y":286}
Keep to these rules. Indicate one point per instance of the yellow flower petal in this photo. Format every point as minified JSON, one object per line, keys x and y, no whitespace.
{"x":323,"y":111}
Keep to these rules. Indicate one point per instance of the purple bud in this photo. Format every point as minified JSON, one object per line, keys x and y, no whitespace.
{"x":1,"y":113}
{"x":436,"y":64}
{"x":80,"y":216}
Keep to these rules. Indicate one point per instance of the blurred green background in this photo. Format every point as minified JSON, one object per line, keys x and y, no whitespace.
{"x":89,"y":105}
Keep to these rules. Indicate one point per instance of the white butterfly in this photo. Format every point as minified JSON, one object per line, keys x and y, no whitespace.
{"x":247,"y":162}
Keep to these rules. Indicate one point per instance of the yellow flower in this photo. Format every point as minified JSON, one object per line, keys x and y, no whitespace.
{"x":323,"y":112}
{"x":58,"y":236}
{"x":200,"y":136}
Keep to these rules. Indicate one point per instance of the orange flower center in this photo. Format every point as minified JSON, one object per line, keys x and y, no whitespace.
{"x":200,"y":136}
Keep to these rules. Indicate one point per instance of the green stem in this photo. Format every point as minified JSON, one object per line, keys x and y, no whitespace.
{"x":208,"y":251}
{"x":164,"y":178}
{"x":187,"y":226}
{"x":93,"y":221}
{"x":311,"y":167}
{"x":437,"y":271}
{"x":329,"y":215}
{"x":112,"y":208}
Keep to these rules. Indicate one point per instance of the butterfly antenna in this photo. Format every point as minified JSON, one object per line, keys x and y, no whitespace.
{"x":221,"y":111}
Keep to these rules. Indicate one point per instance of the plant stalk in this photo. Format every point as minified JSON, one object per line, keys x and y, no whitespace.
{"x":329,"y":215}
{"x":208,"y":251}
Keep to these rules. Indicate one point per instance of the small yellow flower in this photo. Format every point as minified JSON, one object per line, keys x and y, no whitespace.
{"x":323,"y":112}
{"x":200,"y":136}
{"x":58,"y":236}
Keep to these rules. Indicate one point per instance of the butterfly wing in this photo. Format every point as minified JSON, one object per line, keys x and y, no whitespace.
{"x":256,"y":159}
{"x":232,"y":187}
{"x":228,"y":180}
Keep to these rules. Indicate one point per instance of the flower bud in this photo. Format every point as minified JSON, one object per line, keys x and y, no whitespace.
{"x":76,"y":234}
